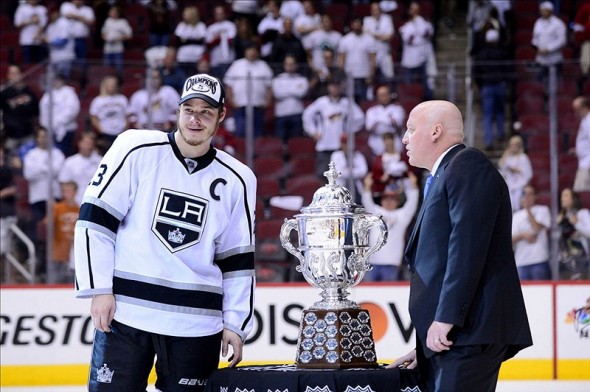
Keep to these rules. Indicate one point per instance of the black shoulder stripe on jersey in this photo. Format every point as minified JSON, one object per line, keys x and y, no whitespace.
{"x":125,"y":158}
{"x":246,"y":207}
{"x":98,"y":215}
{"x":251,"y":305}
{"x":239,"y":262}
{"x":167,"y":295}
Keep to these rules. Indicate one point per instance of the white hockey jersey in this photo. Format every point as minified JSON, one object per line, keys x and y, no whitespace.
{"x":171,"y":238}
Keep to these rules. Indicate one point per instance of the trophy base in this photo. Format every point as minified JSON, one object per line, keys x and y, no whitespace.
{"x":335,"y":339}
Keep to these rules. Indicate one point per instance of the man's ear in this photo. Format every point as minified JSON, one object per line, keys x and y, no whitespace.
{"x":222,"y":113}
{"x":436,"y":133}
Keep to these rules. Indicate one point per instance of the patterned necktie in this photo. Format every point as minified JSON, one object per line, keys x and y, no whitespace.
{"x":427,"y":185}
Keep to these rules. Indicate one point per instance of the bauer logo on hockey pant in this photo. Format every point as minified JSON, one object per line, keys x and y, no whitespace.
{"x":179,"y":219}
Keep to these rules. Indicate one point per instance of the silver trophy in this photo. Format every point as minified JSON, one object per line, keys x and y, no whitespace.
{"x":333,"y":236}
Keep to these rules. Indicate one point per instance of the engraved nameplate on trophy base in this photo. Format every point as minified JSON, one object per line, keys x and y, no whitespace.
{"x":335,"y":339}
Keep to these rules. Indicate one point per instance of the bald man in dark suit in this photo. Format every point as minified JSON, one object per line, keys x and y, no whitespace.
{"x":465,"y":297}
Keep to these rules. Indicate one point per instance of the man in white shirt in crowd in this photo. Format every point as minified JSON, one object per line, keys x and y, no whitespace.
{"x":388,"y":260}
{"x":356,"y":52}
{"x":529,"y":237}
{"x":581,"y":107}
{"x":549,"y":37}
{"x":417,"y":50}
{"x":288,"y":90}
{"x":352,"y":171}
{"x":60,"y":41}
{"x":30,"y":18}
{"x":219,"y":40}
{"x":386,"y":116}
{"x":81,"y":18}
{"x":61,"y":117}
{"x":307,"y":23}
{"x":153,"y":107}
{"x":380,"y":26}
{"x":326,"y":119}
{"x":244,"y":74}
{"x":81,"y":167}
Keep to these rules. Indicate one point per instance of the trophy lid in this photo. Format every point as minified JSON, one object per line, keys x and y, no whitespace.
{"x":332,"y":197}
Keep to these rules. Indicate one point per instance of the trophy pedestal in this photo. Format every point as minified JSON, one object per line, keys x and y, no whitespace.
{"x":335,"y":339}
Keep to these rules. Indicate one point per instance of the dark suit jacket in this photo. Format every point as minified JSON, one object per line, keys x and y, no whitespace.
{"x":461,"y":259}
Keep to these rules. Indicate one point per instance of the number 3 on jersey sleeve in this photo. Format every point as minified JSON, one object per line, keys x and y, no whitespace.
{"x":99,"y":176}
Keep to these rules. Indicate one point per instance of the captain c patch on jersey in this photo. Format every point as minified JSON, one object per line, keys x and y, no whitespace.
{"x":179,"y":219}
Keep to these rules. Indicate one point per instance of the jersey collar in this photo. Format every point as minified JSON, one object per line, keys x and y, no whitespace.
{"x":201,"y":162}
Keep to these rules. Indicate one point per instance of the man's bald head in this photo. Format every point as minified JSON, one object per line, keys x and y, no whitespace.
{"x":432,"y":128}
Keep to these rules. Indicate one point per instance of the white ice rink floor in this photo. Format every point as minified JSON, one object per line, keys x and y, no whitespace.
{"x":503,"y":386}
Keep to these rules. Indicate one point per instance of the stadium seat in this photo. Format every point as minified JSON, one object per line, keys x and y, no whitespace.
{"x":301,"y":166}
{"x":268,"y":146}
{"x":267,"y":187}
{"x":301,"y":147}
{"x":270,"y":167}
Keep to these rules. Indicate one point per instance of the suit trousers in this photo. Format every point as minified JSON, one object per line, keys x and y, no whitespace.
{"x":462,"y":368}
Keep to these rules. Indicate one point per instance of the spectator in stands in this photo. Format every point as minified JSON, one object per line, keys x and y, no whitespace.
{"x":220,"y":36}
{"x":386,"y":116}
{"x":245,"y":36}
{"x":529,"y":237}
{"x":41,"y":167}
{"x":582,"y":37}
{"x":269,"y":28}
{"x":492,"y":23}
{"x":8,"y":194}
{"x":380,"y":26}
{"x":30,"y":18}
{"x":115,"y":31}
{"x":190,"y":34}
{"x":307,"y":23}
{"x":285,"y":44}
{"x":59,"y":39}
{"x":478,"y":14}
{"x":574,"y":240}
{"x":326,"y":119}
{"x":387,"y":167}
{"x":549,"y":37}
{"x":172,"y":73}
{"x":291,"y":9}
{"x":61,"y":118}
{"x":329,"y":69}
{"x":238,"y":86}
{"x":65,"y":215}
{"x":153,"y":107}
{"x":245,"y":9}
{"x":320,"y":40}
{"x":289,"y":88}
{"x":80,"y":167}
{"x":492,"y":73}
{"x":19,"y":109}
{"x":352,"y":171}
{"x":108,"y":112}
{"x":356,"y":56}
{"x":387,"y":262}
{"x":81,"y":19}
{"x":158,"y":12}
{"x":515,"y":166}
{"x":581,"y":107}
{"x":417,"y":52}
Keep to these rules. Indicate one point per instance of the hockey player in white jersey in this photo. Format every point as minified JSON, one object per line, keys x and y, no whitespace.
{"x":165,"y":248}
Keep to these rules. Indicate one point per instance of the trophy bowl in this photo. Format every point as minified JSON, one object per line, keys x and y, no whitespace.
{"x":333,"y":248}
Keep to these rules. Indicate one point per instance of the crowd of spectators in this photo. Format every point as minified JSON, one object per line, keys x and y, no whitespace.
{"x":290,"y":58}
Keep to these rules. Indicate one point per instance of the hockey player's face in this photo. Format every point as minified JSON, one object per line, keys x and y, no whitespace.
{"x":198,"y":121}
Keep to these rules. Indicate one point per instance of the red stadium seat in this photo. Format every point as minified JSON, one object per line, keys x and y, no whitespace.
{"x":301,"y":147}
{"x":304,"y":186}
{"x":267,"y":187}
{"x":270,"y":167}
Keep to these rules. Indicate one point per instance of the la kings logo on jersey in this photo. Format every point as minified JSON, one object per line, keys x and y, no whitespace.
{"x":179,"y":219}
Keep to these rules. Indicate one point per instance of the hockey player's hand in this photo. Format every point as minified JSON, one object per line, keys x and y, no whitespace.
{"x":102,"y":311}
{"x":232,"y":339}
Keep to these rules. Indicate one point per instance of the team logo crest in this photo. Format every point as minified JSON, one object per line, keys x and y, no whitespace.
{"x":179,"y":219}
{"x":104,"y":374}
